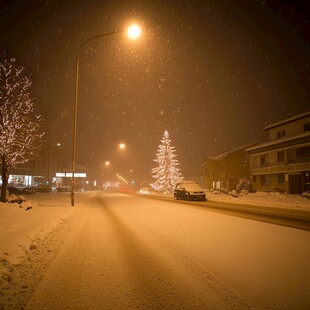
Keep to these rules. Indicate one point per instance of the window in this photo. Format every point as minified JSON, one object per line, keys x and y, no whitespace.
{"x":264,"y":161}
{"x":307,"y":180}
{"x":302,"y":152}
{"x":280,"y":156}
{"x":264,"y":179}
{"x":306,"y":127}
{"x":281,"y":134}
{"x":281,"y":178}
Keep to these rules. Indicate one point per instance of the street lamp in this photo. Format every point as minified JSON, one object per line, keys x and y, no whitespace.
{"x":122,"y":146}
{"x":133,"y":33}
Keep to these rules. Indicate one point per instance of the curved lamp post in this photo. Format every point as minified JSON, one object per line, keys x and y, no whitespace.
{"x":133,"y":32}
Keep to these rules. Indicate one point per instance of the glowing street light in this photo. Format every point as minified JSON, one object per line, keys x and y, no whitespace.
{"x":133,"y":33}
{"x":122,"y":146}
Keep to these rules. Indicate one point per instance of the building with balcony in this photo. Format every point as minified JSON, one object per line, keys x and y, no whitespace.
{"x":283,"y":163}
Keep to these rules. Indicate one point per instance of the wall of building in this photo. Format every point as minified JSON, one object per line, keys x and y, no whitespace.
{"x":285,"y":160}
{"x":273,"y":184}
{"x":291,"y":129}
{"x":226,"y":170}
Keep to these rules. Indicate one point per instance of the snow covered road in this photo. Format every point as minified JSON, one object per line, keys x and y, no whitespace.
{"x":124,"y":252}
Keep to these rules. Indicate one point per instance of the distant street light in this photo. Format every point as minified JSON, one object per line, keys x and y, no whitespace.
{"x":122,"y":146}
{"x":133,"y":33}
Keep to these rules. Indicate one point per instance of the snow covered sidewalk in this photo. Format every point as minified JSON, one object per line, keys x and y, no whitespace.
{"x":21,"y":223}
{"x":264,"y":199}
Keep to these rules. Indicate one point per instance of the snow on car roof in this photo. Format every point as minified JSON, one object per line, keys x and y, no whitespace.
{"x":187,"y":181}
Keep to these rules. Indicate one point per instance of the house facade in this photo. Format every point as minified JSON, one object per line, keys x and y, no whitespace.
{"x":283,"y":163}
{"x":225,"y":170}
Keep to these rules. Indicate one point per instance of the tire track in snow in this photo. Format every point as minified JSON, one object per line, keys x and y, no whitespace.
{"x":181,"y":283}
{"x":80,"y":277}
{"x":209,"y":278}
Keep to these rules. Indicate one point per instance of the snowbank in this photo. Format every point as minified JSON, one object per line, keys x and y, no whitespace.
{"x":21,"y":223}
{"x":265,"y":199}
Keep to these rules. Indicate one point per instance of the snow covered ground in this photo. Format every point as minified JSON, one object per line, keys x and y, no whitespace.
{"x":272,"y":199}
{"x":18,"y":226}
{"x":34,"y":225}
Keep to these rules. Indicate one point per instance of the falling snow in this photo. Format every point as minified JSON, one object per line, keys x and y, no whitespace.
{"x":200,"y":68}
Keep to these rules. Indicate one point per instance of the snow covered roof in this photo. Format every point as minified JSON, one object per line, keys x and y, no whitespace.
{"x":266,"y":144}
{"x":235,"y":150}
{"x":187,"y":182}
{"x":288,"y":120}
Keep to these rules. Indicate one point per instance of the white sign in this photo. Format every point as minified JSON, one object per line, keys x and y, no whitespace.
{"x":69,"y":175}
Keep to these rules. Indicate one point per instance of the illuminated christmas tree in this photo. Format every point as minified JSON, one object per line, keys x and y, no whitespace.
{"x":166,"y":174}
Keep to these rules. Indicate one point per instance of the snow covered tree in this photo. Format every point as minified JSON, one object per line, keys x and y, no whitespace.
{"x":20,"y":130}
{"x":166,"y":174}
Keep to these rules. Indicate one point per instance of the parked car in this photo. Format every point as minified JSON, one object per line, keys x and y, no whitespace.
{"x":29,"y":190}
{"x":24,"y":190}
{"x":144,"y":190}
{"x":44,"y":188}
{"x":62,"y":189}
{"x":189,"y":190}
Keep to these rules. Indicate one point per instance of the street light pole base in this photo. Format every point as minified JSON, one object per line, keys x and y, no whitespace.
{"x":72,"y":199}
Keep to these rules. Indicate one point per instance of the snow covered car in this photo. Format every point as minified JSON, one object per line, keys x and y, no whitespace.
{"x":144,"y":190}
{"x":189,"y":190}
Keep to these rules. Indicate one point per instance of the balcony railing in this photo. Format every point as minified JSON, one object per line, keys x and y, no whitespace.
{"x":302,"y":160}
{"x":291,"y":161}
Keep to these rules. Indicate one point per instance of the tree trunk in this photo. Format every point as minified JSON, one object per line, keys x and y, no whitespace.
{"x":5,"y":179}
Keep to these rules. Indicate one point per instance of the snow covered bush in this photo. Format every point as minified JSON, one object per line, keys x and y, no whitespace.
{"x":15,"y":198}
{"x":233,"y":193}
{"x":244,"y":192}
{"x":244,"y":184}
{"x":224,"y":190}
{"x":306,"y":195}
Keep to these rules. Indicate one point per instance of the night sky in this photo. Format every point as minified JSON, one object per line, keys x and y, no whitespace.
{"x":212,"y":73}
